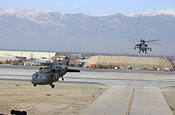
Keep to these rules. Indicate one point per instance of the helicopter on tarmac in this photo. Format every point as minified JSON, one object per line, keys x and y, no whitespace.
{"x":143,"y":45}
{"x":51,"y":72}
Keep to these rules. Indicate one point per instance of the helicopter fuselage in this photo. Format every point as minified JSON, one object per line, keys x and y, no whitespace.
{"x":142,"y":47}
{"x":48,"y":75}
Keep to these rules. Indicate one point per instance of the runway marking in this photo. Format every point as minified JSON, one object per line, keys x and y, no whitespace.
{"x":130,"y":102}
{"x":132,"y":96}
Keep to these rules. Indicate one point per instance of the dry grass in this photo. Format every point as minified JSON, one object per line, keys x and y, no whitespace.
{"x":64,"y":99}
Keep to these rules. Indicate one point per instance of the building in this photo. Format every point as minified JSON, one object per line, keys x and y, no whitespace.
{"x":77,"y":62}
{"x":72,"y":61}
{"x":27,"y":54}
{"x":58,"y":58}
{"x":7,"y":60}
{"x":126,"y":62}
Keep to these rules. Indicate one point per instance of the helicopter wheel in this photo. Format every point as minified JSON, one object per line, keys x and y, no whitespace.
{"x":52,"y":85}
{"x":145,"y":52}
{"x":34,"y":85}
{"x":150,"y":49}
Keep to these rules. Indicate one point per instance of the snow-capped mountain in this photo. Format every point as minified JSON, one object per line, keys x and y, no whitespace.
{"x":23,"y":28}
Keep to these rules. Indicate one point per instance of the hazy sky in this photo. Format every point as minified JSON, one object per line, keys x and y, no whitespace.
{"x":98,"y":8}
{"x":92,"y":7}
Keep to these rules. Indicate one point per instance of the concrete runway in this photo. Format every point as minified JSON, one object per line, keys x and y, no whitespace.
{"x":131,"y":93}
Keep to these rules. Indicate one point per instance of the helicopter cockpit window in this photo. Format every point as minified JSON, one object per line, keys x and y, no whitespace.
{"x":35,"y":75}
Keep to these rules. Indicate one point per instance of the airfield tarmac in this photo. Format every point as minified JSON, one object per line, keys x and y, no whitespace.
{"x":129,"y":92}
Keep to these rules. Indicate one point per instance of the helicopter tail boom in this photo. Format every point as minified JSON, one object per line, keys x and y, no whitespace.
{"x":73,"y":70}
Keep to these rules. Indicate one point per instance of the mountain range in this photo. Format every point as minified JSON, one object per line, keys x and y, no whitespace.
{"x":28,"y":29}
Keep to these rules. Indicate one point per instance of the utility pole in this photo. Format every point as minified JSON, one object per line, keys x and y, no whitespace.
{"x":49,"y":54}
{"x":21,"y":53}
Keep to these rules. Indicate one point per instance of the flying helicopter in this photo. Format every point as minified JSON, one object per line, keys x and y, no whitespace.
{"x":143,"y":45}
{"x":51,"y":72}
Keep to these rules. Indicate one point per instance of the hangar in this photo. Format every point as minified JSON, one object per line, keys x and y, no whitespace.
{"x":27,"y":54}
{"x":151,"y":63}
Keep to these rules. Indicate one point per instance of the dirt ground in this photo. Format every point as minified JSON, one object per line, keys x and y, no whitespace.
{"x":169,"y":94}
{"x":64,"y":99}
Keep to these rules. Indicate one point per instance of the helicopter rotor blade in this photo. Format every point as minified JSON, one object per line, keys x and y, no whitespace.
{"x":133,"y":39}
{"x":149,"y":41}
{"x":156,"y":43}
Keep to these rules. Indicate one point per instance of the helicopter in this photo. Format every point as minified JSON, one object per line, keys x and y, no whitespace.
{"x":143,"y":45}
{"x":51,"y":72}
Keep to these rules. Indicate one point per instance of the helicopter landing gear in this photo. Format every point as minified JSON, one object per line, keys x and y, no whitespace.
{"x":145,"y":52}
{"x":52,"y":85}
{"x":61,"y":78}
{"x":139,"y":51}
{"x":34,"y":85}
{"x":150,"y":49}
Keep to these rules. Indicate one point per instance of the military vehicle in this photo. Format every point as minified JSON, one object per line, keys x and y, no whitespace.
{"x":143,"y":45}
{"x":51,"y":72}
